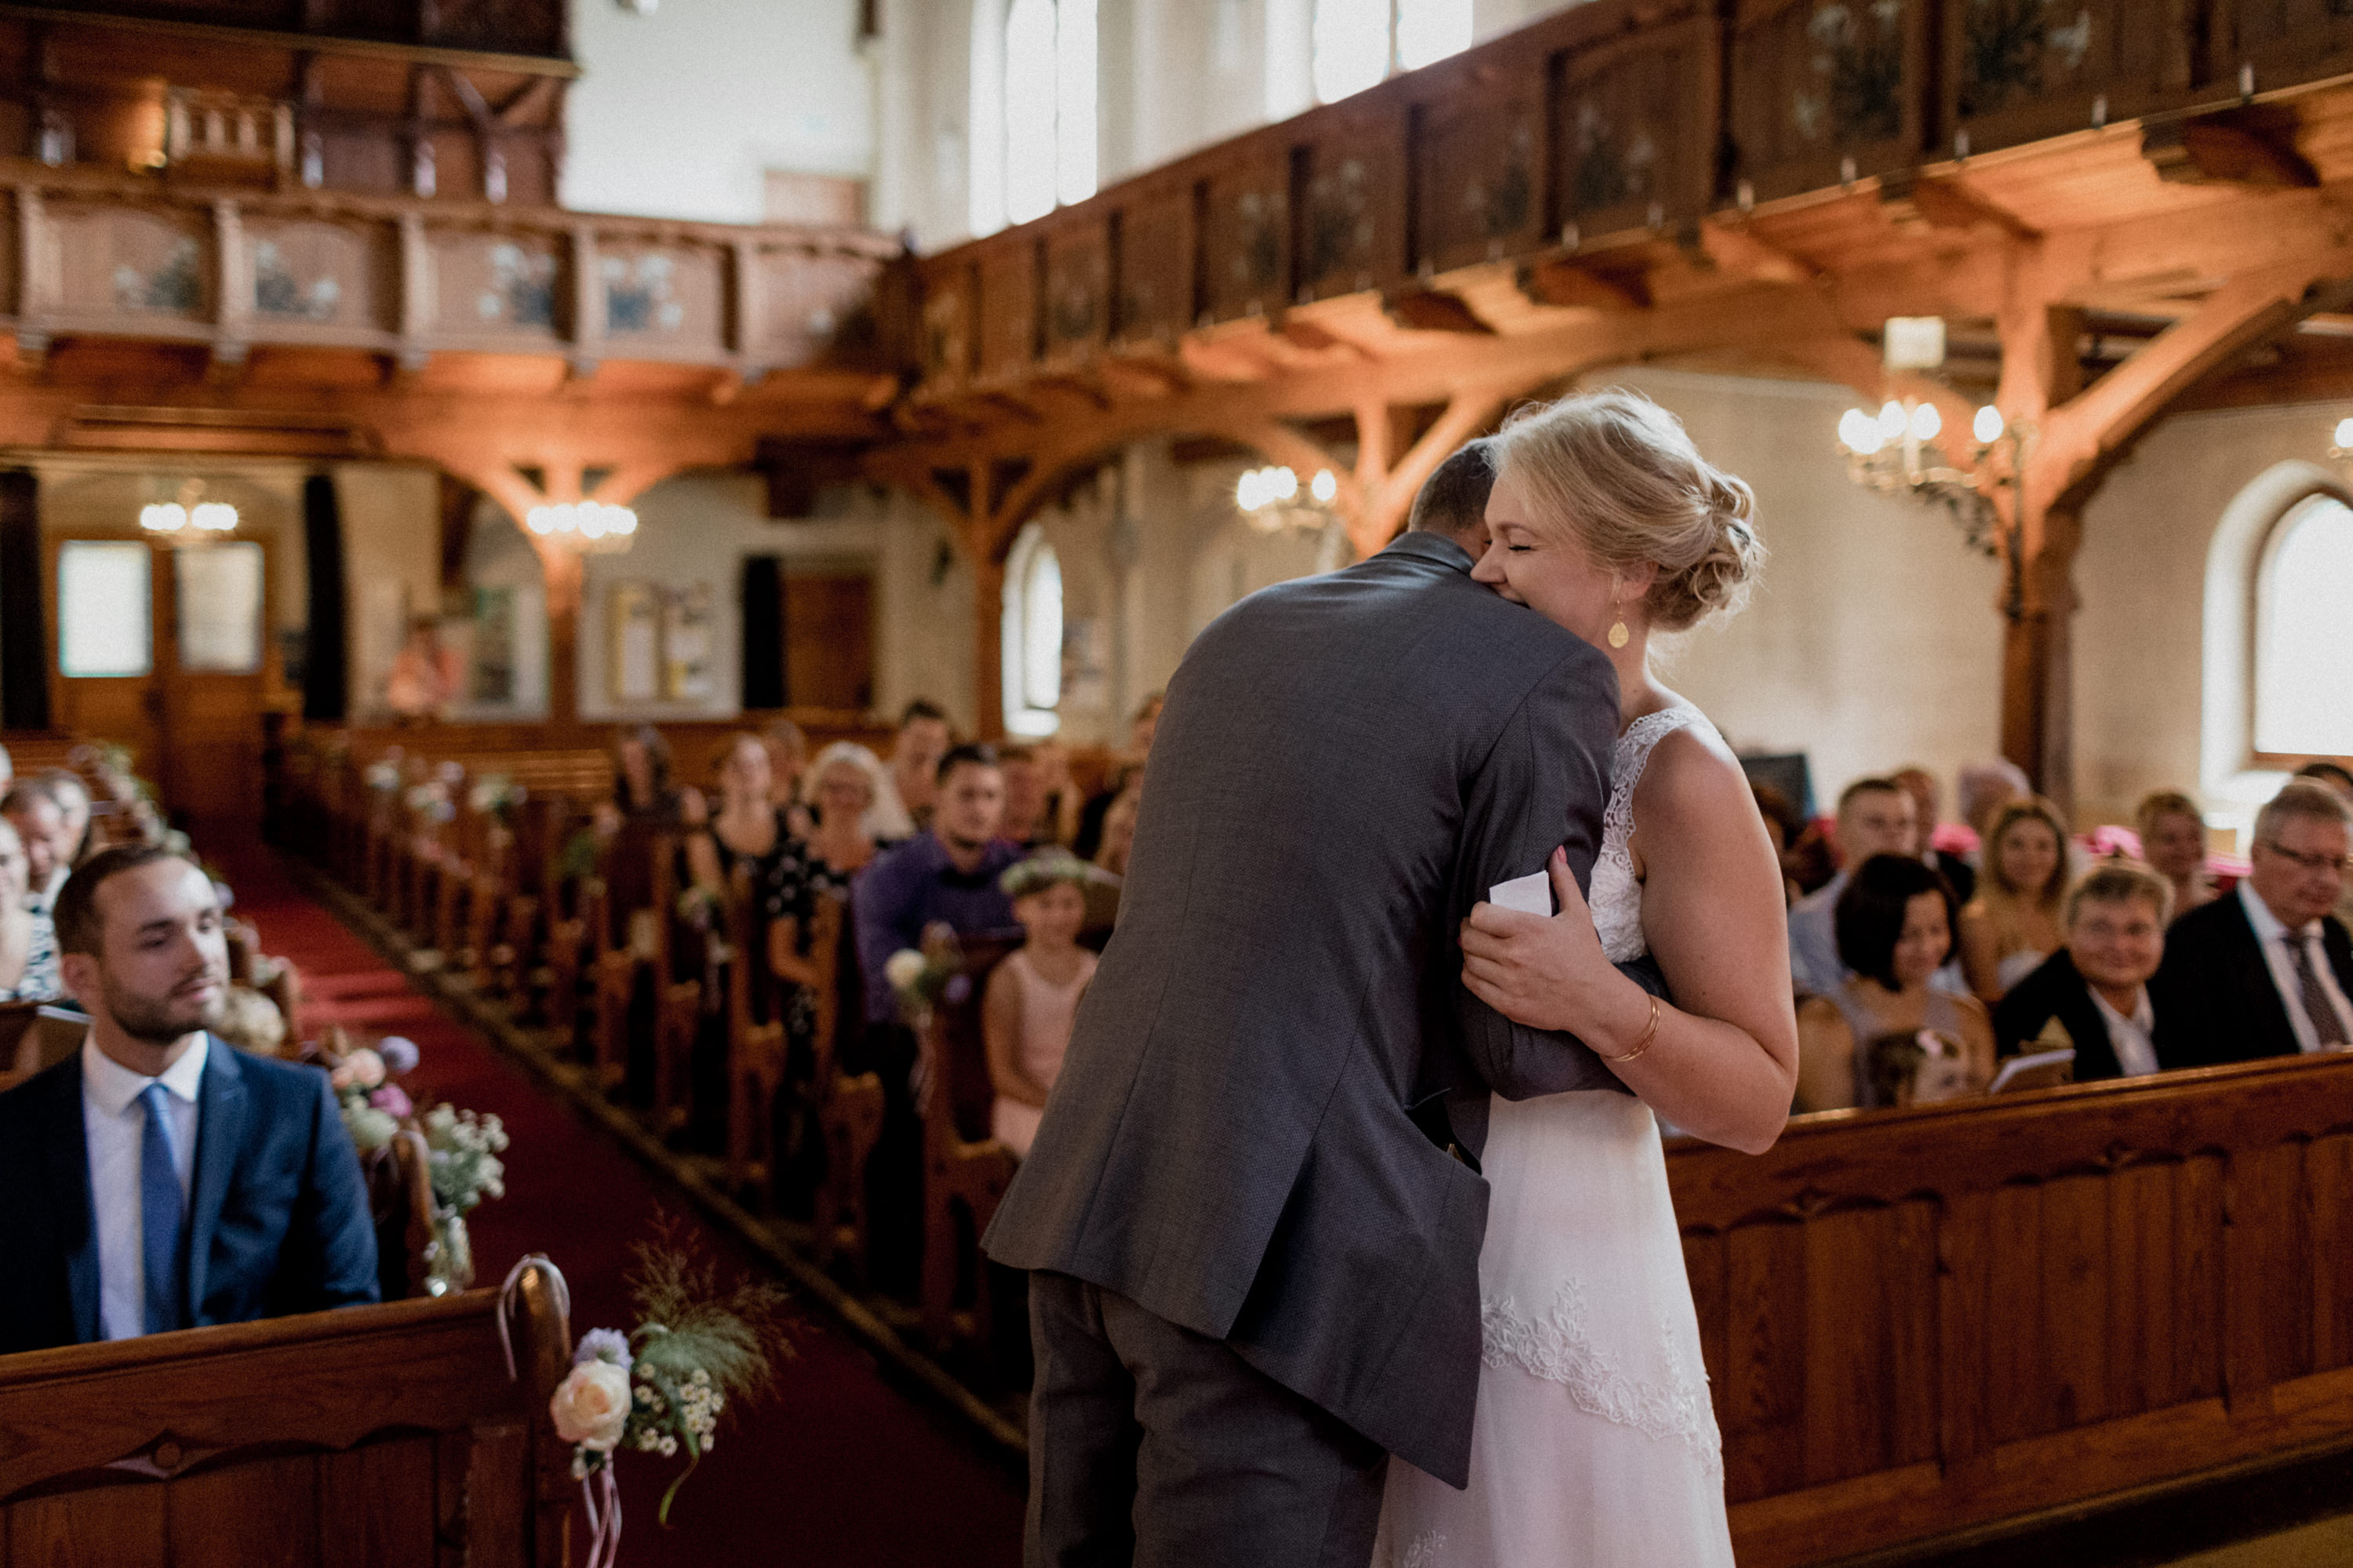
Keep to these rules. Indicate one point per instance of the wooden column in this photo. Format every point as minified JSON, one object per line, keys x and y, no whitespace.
{"x":988,"y":644}
{"x":563,"y":570}
{"x":2040,"y":370}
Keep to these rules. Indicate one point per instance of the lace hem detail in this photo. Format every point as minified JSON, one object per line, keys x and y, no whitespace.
{"x":1422,"y":1551}
{"x":1557,"y":1348}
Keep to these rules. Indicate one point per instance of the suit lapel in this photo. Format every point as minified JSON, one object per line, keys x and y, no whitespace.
{"x":69,"y":1155}
{"x":2275,"y":1035}
{"x":220,"y":1132}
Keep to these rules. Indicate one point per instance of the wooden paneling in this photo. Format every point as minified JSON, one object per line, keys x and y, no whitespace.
{"x":2283,"y":41}
{"x":386,"y":1431}
{"x":1009,"y":307}
{"x":1826,"y":89}
{"x":1919,"y":1321}
{"x":1155,"y":262}
{"x":1634,"y":129}
{"x":1078,"y":288}
{"x":1478,"y":146}
{"x":2016,"y":70}
{"x":1247,"y":237}
{"x":1349,"y":192}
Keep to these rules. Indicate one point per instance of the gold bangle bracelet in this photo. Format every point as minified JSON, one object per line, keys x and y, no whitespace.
{"x":1650,"y":1033}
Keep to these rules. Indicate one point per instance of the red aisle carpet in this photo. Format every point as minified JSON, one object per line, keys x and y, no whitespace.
{"x":836,"y":1470}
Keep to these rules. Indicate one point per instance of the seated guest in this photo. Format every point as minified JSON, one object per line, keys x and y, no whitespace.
{"x":845,"y":794}
{"x":1927,"y":810}
{"x":73,"y":798}
{"x":2173,"y":845}
{"x":2266,"y":971}
{"x":1874,"y":817}
{"x":1784,"y":824}
{"x":1026,"y":822}
{"x":2013,"y":924}
{"x":1921,"y":1067}
{"x":33,"y":808}
{"x":1059,"y":820}
{"x":748,"y":826}
{"x":946,"y":876}
{"x":2093,"y":994}
{"x":923,"y":740}
{"x":1089,"y":838}
{"x":788,"y":756}
{"x":1894,"y":926}
{"x":1119,"y":829}
{"x":642,"y":790}
{"x":1985,"y":788}
{"x":2339,"y":783}
{"x":1032,"y":1000}
{"x":158,"y":1179}
{"x":28,"y":945}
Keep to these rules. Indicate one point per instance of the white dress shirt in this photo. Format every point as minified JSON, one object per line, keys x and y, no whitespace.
{"x":2132,"y":1038}
{"x":114,"y":1122}
{"x":2271,"y":935}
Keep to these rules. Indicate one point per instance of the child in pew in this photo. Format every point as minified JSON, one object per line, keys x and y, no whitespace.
{"x":1919,"y":1067}
{"x":1032,"y":1000}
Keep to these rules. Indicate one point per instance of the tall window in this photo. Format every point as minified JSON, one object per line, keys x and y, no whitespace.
{"x":1033,"y":108}
{"x":1033,"y":636}
{"x":2303,"y":639}
{"x":1359,"y":42}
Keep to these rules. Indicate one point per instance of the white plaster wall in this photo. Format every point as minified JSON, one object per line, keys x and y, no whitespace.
{"x":677,"y":114}
{"x":2141,"y":579}
{"x":698,"y":528}
{"x":925,"y":626}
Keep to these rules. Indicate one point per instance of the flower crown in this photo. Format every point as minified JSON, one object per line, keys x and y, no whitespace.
{"x":1043,"y":870}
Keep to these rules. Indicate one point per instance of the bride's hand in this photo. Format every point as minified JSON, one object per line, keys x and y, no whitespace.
{"x":1546,"y":973}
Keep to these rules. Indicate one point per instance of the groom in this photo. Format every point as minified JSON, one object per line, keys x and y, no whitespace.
{"x":1254,"y":1210}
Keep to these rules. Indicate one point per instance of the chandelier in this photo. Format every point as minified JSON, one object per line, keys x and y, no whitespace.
{"x":590,"y":527}
{"x":1269,"y":499}
{"x":173,"y":519}
{"x":1900,"y":450}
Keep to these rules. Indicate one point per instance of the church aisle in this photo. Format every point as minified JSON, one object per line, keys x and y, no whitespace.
{"x":836,"y":1470}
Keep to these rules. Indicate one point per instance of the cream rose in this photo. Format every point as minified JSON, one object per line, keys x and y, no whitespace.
{"x":592,"y":1406}
{"x":904,"y":968}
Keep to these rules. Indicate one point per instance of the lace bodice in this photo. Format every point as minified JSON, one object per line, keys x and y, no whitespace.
{"x":1616,"y":897}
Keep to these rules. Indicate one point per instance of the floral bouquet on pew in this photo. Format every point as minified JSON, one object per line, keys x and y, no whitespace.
{"x":496,"y":796}
{"x":383,"y":776}
{"x":661,"y":1387}
{"x":462,"y":1148}
{"x":923,"y":978}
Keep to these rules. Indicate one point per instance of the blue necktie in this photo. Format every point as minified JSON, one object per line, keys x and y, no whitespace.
{"x":162,"y":1213}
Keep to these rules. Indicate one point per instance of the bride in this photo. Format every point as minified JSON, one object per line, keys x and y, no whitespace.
{"x":1595,"y":1444}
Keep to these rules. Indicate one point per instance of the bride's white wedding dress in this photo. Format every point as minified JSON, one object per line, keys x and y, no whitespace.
{"x":1595,"y":1446}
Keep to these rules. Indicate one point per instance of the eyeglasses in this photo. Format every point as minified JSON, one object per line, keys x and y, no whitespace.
{"x":2305,"y":862}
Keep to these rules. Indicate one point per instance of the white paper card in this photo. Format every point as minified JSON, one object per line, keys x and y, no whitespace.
{"x":1531,"y":894}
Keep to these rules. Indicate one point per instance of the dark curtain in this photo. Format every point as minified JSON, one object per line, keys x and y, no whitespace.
{"x":763,"y":633}
{"x":324,"y":675}
{"x":24,"y":628}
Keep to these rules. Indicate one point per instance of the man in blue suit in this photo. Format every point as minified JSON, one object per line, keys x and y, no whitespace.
{"x":158,"y":1179}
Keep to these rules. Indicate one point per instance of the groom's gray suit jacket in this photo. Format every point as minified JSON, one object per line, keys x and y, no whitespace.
{"x":1345,"y":764}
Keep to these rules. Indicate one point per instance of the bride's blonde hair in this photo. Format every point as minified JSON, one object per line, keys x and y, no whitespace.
{"x":1618,"y":475}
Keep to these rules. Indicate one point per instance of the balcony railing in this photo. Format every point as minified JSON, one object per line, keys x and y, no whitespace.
{"x":1554,"y":147}
{"x":407,"y":279}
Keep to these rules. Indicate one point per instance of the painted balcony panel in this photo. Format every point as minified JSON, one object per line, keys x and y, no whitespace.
{"x":1350,"y":195}
{"x":147,"y":270}
{"x":1156,"y":257}
{"x":1078,"y":288}
{"x":2018,"y":70}
{"x":1247,"y":242}
{"x":662,"y":301}
{"x":1008,"y":306}
{"x":1478,"y":144}
{"x":1826,"y":90}
{"x":501,"y":290}
{"x":1634,"y":118}
{"x":333,"y":279}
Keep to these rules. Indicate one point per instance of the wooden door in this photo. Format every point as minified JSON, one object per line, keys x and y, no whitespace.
{"x":105,"y":613}
{"x":164,"y":648}
{"x":830,"y":640}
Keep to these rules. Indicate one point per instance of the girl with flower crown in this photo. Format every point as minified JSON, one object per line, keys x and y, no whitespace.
{"x":1032,"y":1000}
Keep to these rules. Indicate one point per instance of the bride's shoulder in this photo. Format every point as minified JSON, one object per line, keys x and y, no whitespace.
{"x":1691,"y":774}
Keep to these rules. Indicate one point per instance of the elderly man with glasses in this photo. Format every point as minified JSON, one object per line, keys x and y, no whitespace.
{"x":2268,"y":970}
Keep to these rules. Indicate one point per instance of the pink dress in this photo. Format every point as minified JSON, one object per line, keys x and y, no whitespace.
{"x":1047,"y":1013}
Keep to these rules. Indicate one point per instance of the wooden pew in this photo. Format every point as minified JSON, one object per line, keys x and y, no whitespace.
{"x":966,"y":1171}
{"x":755,"y":1050}
{"x":848,"y":1108}
{"x":386,"y":1435}
{"x":1918,"y":1321}
{"x":678,"y":998}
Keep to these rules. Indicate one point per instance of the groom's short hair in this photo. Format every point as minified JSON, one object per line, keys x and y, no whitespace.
{"x":1453,"y":500}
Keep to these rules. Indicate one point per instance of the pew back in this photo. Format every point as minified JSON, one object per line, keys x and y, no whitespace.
{"x":388,"y":1435}
{"x":1915,"y":1321}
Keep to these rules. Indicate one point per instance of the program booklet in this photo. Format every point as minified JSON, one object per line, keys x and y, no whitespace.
{"x":2035,"y":1070}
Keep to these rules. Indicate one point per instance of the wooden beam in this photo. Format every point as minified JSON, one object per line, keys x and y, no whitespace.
{"x":2227,"y":150}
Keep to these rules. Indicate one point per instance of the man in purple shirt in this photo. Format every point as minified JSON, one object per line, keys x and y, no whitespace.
{"x":944,"y":876}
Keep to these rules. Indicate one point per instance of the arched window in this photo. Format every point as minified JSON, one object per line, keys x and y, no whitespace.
{"x":1357,"y":43}
{"x":1033,"y":636}
{"x":2303,"y":635}
{"x":1033,"y":108}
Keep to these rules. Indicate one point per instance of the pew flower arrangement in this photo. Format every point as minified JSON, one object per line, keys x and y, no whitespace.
{"x":383,"y":776}
{"x":922,"y":978}
{"x":495,"y":794}
{"x":661,"y":1387}
{"x":431,"y":800}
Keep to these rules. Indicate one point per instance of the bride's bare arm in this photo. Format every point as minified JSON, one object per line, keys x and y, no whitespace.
{"x":1723,"y":1063}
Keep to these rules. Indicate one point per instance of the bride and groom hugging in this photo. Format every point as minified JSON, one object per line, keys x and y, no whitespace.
{"x":1345,"y":1160}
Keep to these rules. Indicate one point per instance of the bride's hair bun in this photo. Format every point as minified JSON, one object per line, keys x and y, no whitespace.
{"x":1619,"y":475}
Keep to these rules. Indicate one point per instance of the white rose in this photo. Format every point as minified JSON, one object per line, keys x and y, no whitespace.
{"x":592,"y":1406}
{"x":904,"y":968}
{"x":370,"y":1128}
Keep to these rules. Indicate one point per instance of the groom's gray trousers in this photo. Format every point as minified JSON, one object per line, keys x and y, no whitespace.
{"x":1155,"y":1445}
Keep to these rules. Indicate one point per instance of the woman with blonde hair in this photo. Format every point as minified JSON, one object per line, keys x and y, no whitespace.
{"x":1593,"y":1440}
{"x":2173,"y":845}
{"x":2013,"y":924}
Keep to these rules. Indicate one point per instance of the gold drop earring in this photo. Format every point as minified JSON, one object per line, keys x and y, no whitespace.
{"x":1618,"y":636}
